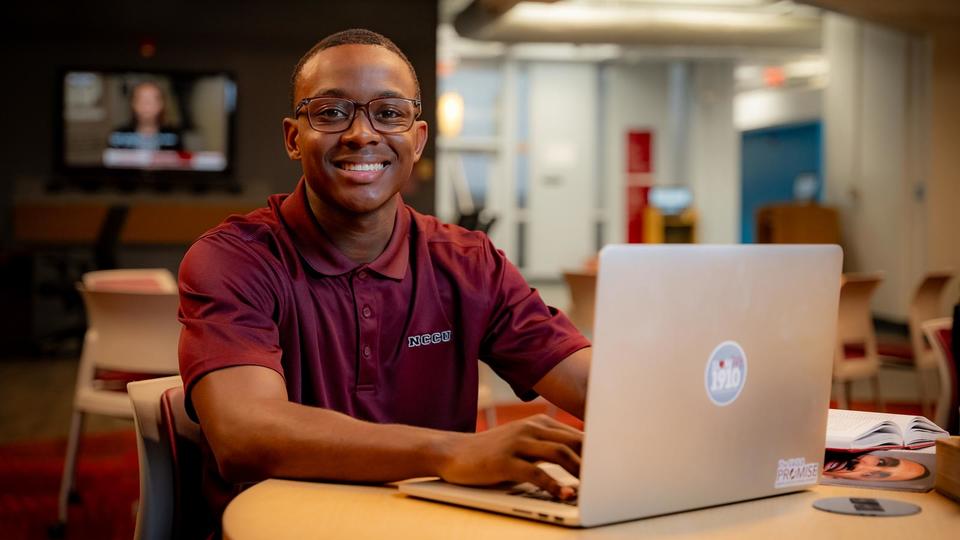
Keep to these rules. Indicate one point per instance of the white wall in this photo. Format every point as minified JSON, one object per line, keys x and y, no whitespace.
{"x":942,"y":219}
{"x":873,"y":111}
{"x":634,"y":98}
{"x":767,"y":107}
{"x":714,"y":153}
{"x":563,"y":152}
{"x":502,"y":184}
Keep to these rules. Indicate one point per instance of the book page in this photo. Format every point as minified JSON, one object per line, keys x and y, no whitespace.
{"x":918,"y":430}
{"x":861,"y":430}
{"x":857,"y":429}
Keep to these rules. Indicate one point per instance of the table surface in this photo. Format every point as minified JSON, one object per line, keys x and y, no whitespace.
{"x":278,"y":509}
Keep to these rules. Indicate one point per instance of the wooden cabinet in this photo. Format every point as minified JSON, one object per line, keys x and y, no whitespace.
{"x":797,"y":224}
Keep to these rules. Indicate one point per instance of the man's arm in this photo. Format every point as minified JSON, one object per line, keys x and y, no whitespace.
{"x":566,"y":384}
{"x":255,"y":432}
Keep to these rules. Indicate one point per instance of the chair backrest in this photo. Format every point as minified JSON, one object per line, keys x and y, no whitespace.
{"x":924,"y":306}
{"x":149,"y":280}
{"x":199,"y":495}
{"x":938,"y":332}
{"x":155,"y":510}
{"x":854,"y":318}
{"x":131,"y":332}
{"x":583,"y":294}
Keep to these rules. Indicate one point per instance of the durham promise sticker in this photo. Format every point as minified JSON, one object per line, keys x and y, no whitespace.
{"x":796,"y":472}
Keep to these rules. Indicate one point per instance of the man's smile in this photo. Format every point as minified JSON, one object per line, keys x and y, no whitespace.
{"x":361,"y":163}
{"x":348,"y":166}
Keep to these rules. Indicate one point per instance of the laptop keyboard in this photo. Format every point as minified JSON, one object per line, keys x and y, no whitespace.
{"x":531,"y":492}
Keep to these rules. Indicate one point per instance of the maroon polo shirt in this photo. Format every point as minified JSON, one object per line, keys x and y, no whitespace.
{"x":396,"y":340}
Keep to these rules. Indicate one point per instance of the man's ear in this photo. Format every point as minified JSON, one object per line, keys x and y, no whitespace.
{"x":420,"y":132}
{"x":291,"y":130}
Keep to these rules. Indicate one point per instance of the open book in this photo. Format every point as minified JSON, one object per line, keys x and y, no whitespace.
{"x":852,"y":431}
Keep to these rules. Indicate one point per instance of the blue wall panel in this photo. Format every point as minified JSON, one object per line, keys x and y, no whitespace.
{"x":772,"y":159}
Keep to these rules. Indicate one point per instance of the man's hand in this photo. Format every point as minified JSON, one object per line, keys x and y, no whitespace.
{"x":509,"y":453}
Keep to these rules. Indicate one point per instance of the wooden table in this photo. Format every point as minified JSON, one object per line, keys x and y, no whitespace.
{"x":278,"y":509}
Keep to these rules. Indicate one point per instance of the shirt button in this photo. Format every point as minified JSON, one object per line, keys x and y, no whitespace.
{"x":361,"y":275}
{"x":366,"y":351}
{"x":367,"y":312}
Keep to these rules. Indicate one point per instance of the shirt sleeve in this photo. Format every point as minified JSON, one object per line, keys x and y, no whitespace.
{"x":525,"y":338}
{"x":228,"y":301}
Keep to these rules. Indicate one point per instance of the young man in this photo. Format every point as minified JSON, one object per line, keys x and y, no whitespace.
{"x":335,"y":334}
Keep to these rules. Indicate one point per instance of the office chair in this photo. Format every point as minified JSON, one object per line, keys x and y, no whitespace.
{"x":855,"y":356}
{"x":920,"y":355}
{"x":938,"y":332}
{"x":130,"y":336}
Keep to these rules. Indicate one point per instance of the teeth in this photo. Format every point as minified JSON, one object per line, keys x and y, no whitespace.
{"x":362,"y":166}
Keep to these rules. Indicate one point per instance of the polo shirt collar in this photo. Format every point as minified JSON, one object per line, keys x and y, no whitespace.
{"x":316,"y":248}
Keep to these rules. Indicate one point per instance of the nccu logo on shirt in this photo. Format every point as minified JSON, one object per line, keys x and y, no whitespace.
{"x":430,"y":338}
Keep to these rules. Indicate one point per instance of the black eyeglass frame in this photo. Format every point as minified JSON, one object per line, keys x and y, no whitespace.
{"x":356,"y":107}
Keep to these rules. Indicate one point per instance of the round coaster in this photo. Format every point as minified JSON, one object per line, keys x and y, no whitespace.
{"x":866,"y":506}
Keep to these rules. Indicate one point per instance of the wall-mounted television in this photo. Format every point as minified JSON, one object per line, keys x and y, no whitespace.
{"x":146,"y":127}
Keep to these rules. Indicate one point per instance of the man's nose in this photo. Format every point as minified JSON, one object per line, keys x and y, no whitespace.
{"x":360,"y":131}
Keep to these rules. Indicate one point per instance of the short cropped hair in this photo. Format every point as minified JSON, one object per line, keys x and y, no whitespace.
{"x":353,"y":36}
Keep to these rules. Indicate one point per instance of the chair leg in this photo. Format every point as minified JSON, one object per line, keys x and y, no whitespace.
{"x":68,"y":482}
{"x":846,"y":391}
{"x":924,"y":395}
{"x":877,"y":398}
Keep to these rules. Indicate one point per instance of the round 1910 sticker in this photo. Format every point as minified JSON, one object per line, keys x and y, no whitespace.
{"x":726,"y":373}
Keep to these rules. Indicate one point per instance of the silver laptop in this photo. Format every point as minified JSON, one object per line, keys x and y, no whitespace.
{"x":710,"y":384}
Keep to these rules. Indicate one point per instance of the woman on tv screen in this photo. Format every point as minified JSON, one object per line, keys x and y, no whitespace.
{"x":148,"y":128}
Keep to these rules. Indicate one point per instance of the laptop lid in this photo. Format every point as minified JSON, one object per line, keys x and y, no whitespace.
{"x":711,"y":376}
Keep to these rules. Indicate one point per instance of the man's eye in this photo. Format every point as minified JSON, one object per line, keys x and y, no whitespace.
{"x":330,"y":114}
{"x":389,"y":114}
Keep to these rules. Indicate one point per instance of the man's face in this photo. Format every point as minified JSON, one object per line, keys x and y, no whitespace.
{"x":332,"y":162}
{"x":874,"y":469}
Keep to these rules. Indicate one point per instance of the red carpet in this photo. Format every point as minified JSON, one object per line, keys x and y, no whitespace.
{"x":108,"y":483}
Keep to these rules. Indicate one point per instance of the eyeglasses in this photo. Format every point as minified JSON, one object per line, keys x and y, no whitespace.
{"x":333,"y":115}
